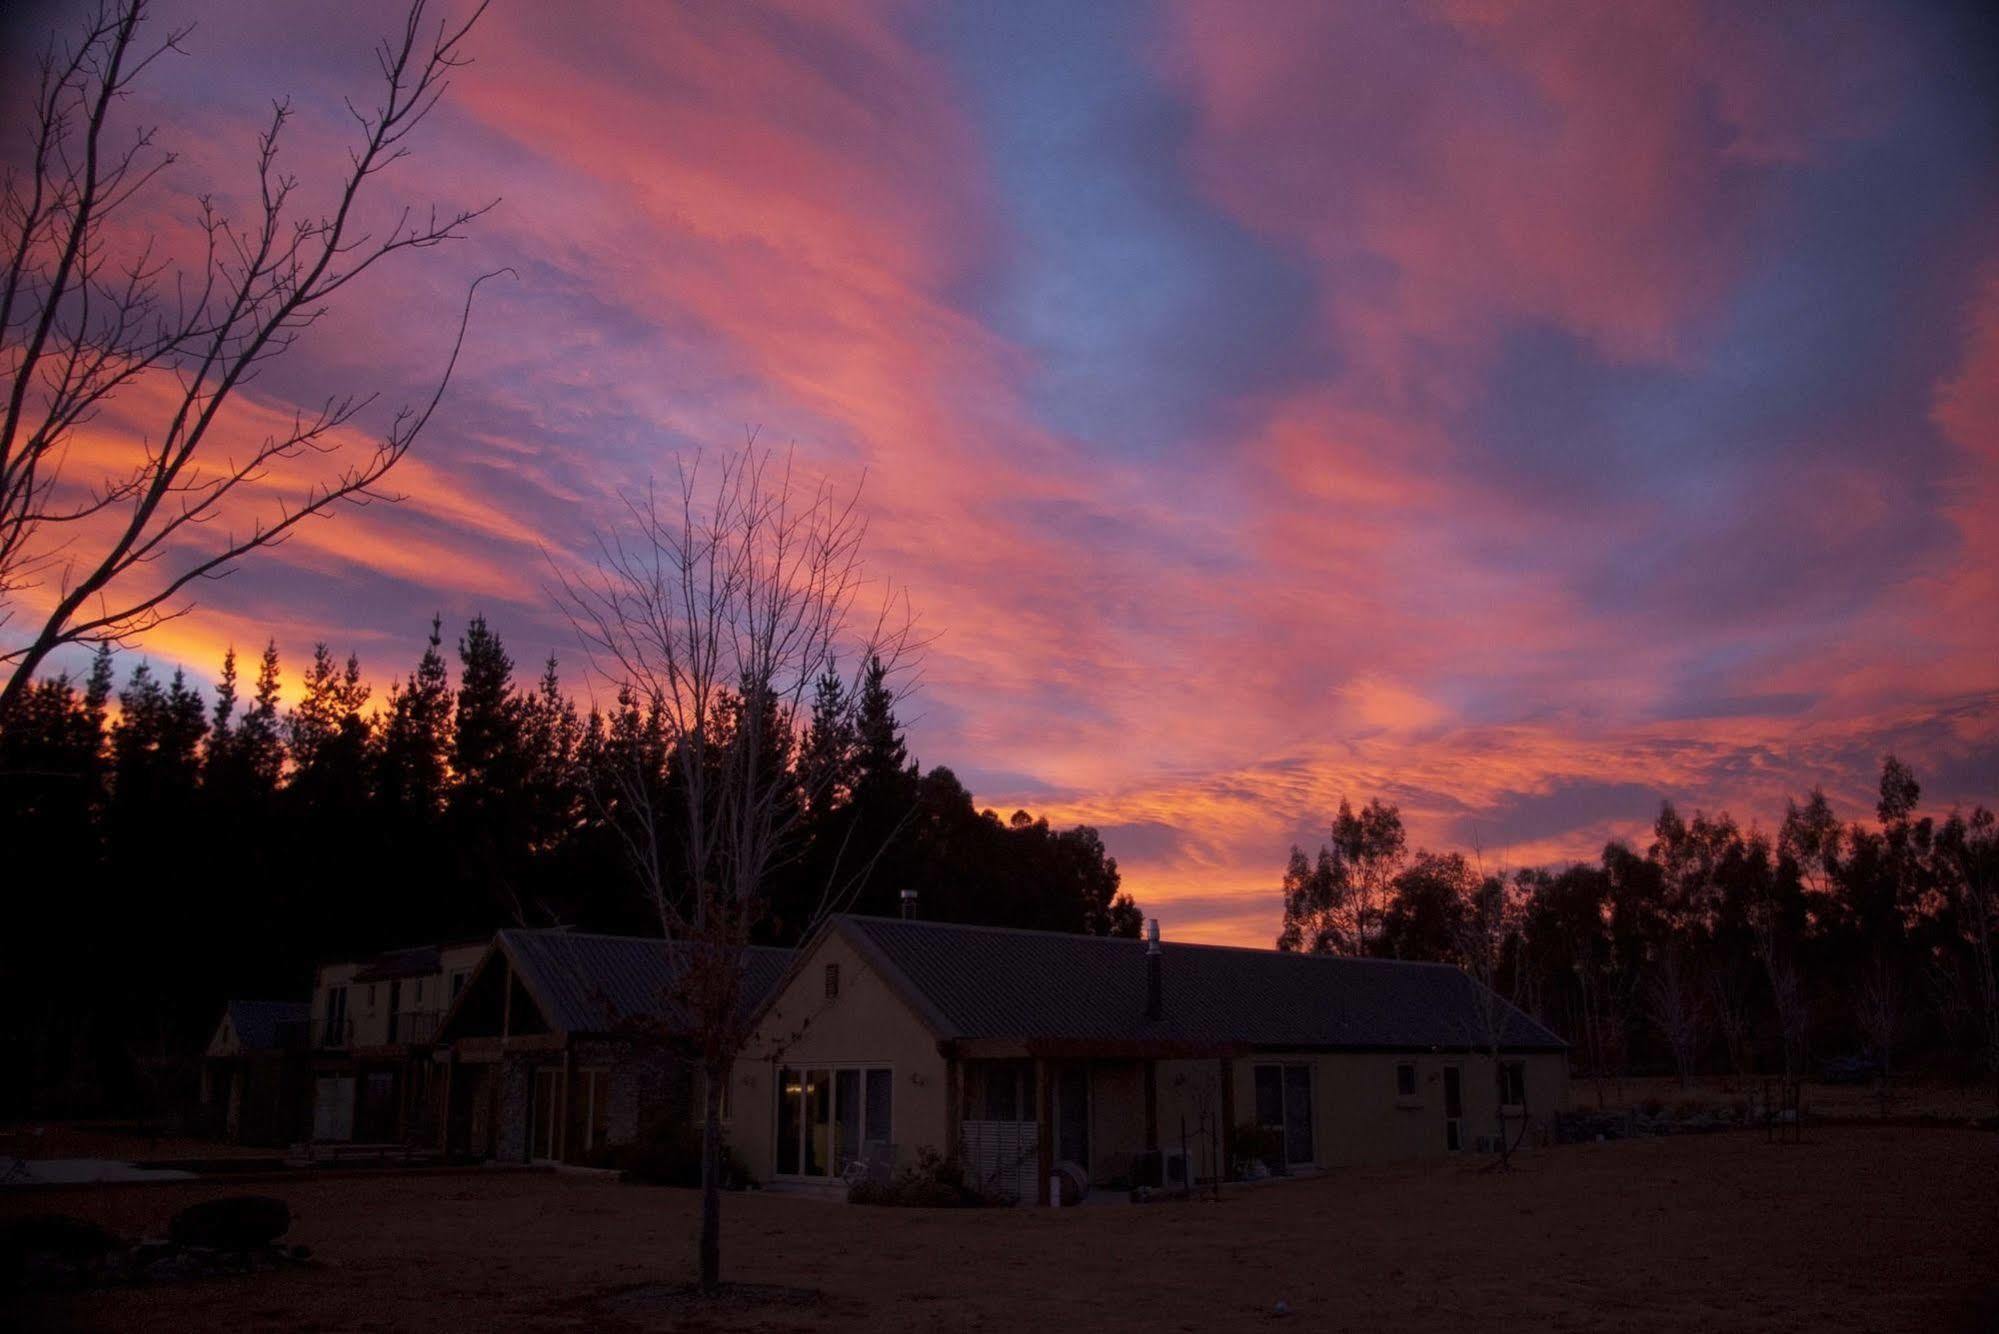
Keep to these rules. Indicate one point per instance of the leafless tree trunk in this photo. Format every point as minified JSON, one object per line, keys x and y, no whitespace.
{"x":1491,"y":920}
{"x":1678,"y":1013}
{"x":1728,"y":990}
{"x":1878,"y":1007}
{"x":86,"y":314}
{"x":1973,"y":847}
{"x":719,"y":607}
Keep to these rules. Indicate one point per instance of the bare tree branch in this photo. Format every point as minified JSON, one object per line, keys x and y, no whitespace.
{"x":79,"y":325}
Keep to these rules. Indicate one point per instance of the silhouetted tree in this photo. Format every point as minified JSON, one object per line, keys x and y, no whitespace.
{"x":1335,"y":904}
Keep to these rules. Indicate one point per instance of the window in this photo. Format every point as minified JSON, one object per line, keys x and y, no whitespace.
{"x":832,"y":981}
{"x":1513,"y":1084}
{"x":827,"y":1118}
{"x":419,"y":993}
{"x":457,"y":983}
{"x":1284,"y":1105}
{"x":1405,"y":1080}
{"x":1000,"y":1091}
{"x":371,"y":997}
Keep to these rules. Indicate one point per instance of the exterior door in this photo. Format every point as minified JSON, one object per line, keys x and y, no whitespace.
{"x":333,"y":1108}
{"x":1454,"y":1108}
{"x":1284,"y":1106}
{"x":1072,"y":1116}
{"x":542,"y":1139}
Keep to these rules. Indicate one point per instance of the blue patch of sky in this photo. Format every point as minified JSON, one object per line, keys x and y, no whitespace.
{"x":1150,"y":312}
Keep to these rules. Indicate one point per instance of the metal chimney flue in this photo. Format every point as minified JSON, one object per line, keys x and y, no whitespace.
{"x":908,"y":905}
{"x":1155,"y":1003}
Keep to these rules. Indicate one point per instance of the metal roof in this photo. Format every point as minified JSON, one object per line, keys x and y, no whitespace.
{"x":995,"y":982}
{"x":267,"y":1025}
{"x":587,"y":983}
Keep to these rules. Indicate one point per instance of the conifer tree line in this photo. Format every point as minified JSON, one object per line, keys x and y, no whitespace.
{"x":1863,"y":946}
{"x":169,"y":848}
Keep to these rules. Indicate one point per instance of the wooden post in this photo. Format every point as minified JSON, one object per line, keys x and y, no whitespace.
{"x":1152,"y":1105}
{"x":444,"y":1108}
{"x":507,"y":1006}
{"x":954,"y":1108}
{"x":1044,"y":1087}
{"x":561,"y":1109}
{"x":1225,"y":1168}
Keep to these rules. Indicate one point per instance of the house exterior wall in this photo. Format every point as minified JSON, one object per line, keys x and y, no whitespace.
{"x":866,"y":1024}
{"x":1359,"y":1118}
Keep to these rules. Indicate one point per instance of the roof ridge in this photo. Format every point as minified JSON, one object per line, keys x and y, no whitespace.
{"x":1134,"y":940}
{"x":563,"y":933}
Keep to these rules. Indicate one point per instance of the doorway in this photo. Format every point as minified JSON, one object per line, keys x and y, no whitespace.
{"x":1072,"y":1116}
{"x":1454,"y":1108}
{"x":542,"y":1141}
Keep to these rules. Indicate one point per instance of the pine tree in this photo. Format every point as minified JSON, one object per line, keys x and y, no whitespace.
{"x":416,"y":742}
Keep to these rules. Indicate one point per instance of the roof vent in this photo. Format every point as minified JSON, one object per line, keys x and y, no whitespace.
{"x":1155,"y":1005}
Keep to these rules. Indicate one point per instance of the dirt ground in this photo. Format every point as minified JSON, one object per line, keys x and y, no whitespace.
{"x":1856,"y":1228}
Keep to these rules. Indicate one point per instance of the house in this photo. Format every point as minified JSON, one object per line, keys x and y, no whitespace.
{"x":255,"y":1087}
{"x":1129,"y":1061}
{"x":374,"y":1023}
{"x":563,"y":1044}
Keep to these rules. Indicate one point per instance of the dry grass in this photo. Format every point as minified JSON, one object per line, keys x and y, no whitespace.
{"x":1854,"y":1229}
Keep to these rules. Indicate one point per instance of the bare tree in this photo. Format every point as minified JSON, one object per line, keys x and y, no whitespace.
{"x":1491,"y":926}
{"x":88,"y":313}
{"x":718,"y":608}
{"x":1678,"y":1012}
{"x":1878,"y":1007}
{"x":1971,"y":848}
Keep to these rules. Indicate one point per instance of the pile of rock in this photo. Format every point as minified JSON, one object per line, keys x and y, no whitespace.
{"x":236,"y":1234}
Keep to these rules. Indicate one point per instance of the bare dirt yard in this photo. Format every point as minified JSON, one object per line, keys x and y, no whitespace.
{"x":1856,"y":1228}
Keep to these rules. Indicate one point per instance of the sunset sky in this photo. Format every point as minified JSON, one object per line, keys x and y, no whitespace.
{"x":1522,"y":413}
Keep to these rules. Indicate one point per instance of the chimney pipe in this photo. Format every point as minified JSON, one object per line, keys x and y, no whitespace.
{"x":1155,"y":1005}
{"x":908,"y":905}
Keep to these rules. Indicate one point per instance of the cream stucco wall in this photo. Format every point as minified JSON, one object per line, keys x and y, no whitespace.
{"x":867,"y":1024}
{"x":1358,"y":1117}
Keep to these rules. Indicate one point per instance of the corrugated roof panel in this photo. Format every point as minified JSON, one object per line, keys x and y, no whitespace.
{"x":600,"y":984}
{"x":1003,"y":983}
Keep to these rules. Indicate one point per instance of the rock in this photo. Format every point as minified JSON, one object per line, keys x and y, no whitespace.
{"x":234,"y":1222}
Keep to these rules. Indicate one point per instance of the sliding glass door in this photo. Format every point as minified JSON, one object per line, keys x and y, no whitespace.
{"x":829,"y":1117}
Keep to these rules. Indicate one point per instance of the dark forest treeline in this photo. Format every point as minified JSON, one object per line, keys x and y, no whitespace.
{"x":1717,"y":949}
{"x":167,"y":849}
